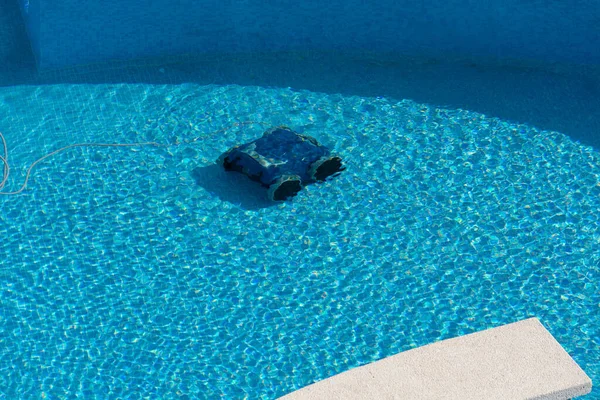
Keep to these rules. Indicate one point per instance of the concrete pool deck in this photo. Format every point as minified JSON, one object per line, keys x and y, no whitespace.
{"x":521,"y":360}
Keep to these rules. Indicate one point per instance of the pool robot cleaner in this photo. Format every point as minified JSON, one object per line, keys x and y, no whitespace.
{"x":282,"y":161}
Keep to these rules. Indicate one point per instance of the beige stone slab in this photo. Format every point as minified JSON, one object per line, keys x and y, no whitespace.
{"x":521,"y":360}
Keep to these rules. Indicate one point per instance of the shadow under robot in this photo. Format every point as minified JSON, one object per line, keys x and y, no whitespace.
{"x":282,"y":161}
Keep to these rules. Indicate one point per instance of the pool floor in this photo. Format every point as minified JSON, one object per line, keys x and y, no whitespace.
{"x":151,"y":273}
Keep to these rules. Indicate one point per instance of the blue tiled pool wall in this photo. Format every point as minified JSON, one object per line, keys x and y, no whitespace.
{"x":14,"y":45}
{"x":108,"y":30}
{"x":30,"y":10}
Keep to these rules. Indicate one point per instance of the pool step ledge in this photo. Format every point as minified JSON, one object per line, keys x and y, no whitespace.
{"x":521,"y":360}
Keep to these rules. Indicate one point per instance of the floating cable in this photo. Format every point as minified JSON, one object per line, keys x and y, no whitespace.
{"x":6,"y":165}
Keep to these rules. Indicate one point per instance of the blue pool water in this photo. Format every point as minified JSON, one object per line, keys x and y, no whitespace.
{"x":470,"y":200}
{"x":151,"y":273}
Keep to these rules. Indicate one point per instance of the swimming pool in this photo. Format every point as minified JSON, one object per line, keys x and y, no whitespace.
{"x":150,"y":273}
